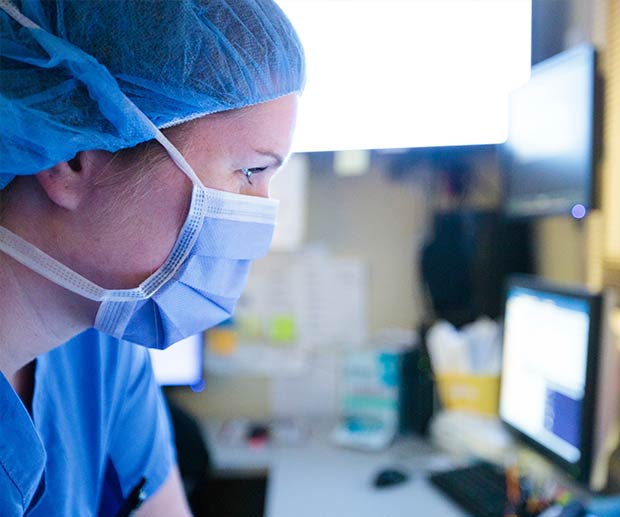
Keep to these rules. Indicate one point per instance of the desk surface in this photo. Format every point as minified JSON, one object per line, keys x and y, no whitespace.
{"x":317,"y":478}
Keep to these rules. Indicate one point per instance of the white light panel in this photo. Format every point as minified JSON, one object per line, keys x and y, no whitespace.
{"x":411,"y":73}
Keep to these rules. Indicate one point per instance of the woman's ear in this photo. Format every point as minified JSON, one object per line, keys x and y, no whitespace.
{"x":68,"y":183}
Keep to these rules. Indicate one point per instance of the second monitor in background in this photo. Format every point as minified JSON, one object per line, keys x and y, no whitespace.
{"x":180,"y":364}
{"x":554,"y":139}
{"x":550,"y":368}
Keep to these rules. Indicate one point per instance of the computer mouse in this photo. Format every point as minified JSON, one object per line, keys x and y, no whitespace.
{"x":257,"y":436}
{"x":258,"y":431}
{"x":389,"y":477}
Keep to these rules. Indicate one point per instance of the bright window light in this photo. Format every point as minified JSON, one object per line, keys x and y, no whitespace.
{"x":411,"y":73}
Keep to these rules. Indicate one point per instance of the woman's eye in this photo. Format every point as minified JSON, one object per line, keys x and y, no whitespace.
{"x":254,"y":170}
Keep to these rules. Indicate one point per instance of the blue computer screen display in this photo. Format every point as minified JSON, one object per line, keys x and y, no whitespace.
{"x":544,"y":372}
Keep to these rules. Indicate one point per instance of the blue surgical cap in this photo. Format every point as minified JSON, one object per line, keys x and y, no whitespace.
{"x":73,"y":78}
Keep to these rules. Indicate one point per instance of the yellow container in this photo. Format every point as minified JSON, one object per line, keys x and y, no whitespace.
{"x":473,"y":393}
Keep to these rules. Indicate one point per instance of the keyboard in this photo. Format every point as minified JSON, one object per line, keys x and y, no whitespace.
{"x":479,"y":489}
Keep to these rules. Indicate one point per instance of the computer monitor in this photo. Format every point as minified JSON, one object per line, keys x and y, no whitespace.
{"x":179,"y":364}
{"x":549,"y":371}
{"x":549,"y":159}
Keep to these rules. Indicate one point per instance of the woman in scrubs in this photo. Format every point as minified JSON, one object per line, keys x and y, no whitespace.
{"x":138,"y":142}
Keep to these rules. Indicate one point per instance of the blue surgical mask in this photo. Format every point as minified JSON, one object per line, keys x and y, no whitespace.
{"x":198,"y":285}
{"x":203,"y":292}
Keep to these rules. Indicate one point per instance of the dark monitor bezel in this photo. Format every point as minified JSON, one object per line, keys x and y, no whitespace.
{"x":580,"y":470}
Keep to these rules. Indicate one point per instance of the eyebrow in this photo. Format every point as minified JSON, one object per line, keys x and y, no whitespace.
{"x":278,"y":159}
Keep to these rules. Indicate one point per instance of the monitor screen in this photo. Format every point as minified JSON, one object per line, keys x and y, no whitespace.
{"x":179,"y":364}
{"x":549,"y":155}
{"x":548,"y":373}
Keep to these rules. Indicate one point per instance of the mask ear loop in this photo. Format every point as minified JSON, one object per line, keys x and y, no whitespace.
{"x":118,"y":113}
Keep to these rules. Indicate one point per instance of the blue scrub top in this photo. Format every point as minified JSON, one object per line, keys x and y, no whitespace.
{"x":99,"y":424}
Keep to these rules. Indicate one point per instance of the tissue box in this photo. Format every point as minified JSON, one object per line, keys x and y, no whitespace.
{"x":472,"y":393}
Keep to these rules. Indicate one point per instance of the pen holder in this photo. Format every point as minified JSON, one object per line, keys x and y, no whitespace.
{"x":472,"y":393}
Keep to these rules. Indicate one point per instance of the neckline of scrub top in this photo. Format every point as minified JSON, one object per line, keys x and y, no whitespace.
{"x":22,"y":454}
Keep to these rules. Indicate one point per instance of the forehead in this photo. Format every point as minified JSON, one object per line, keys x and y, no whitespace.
{"x":267,"y":126}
